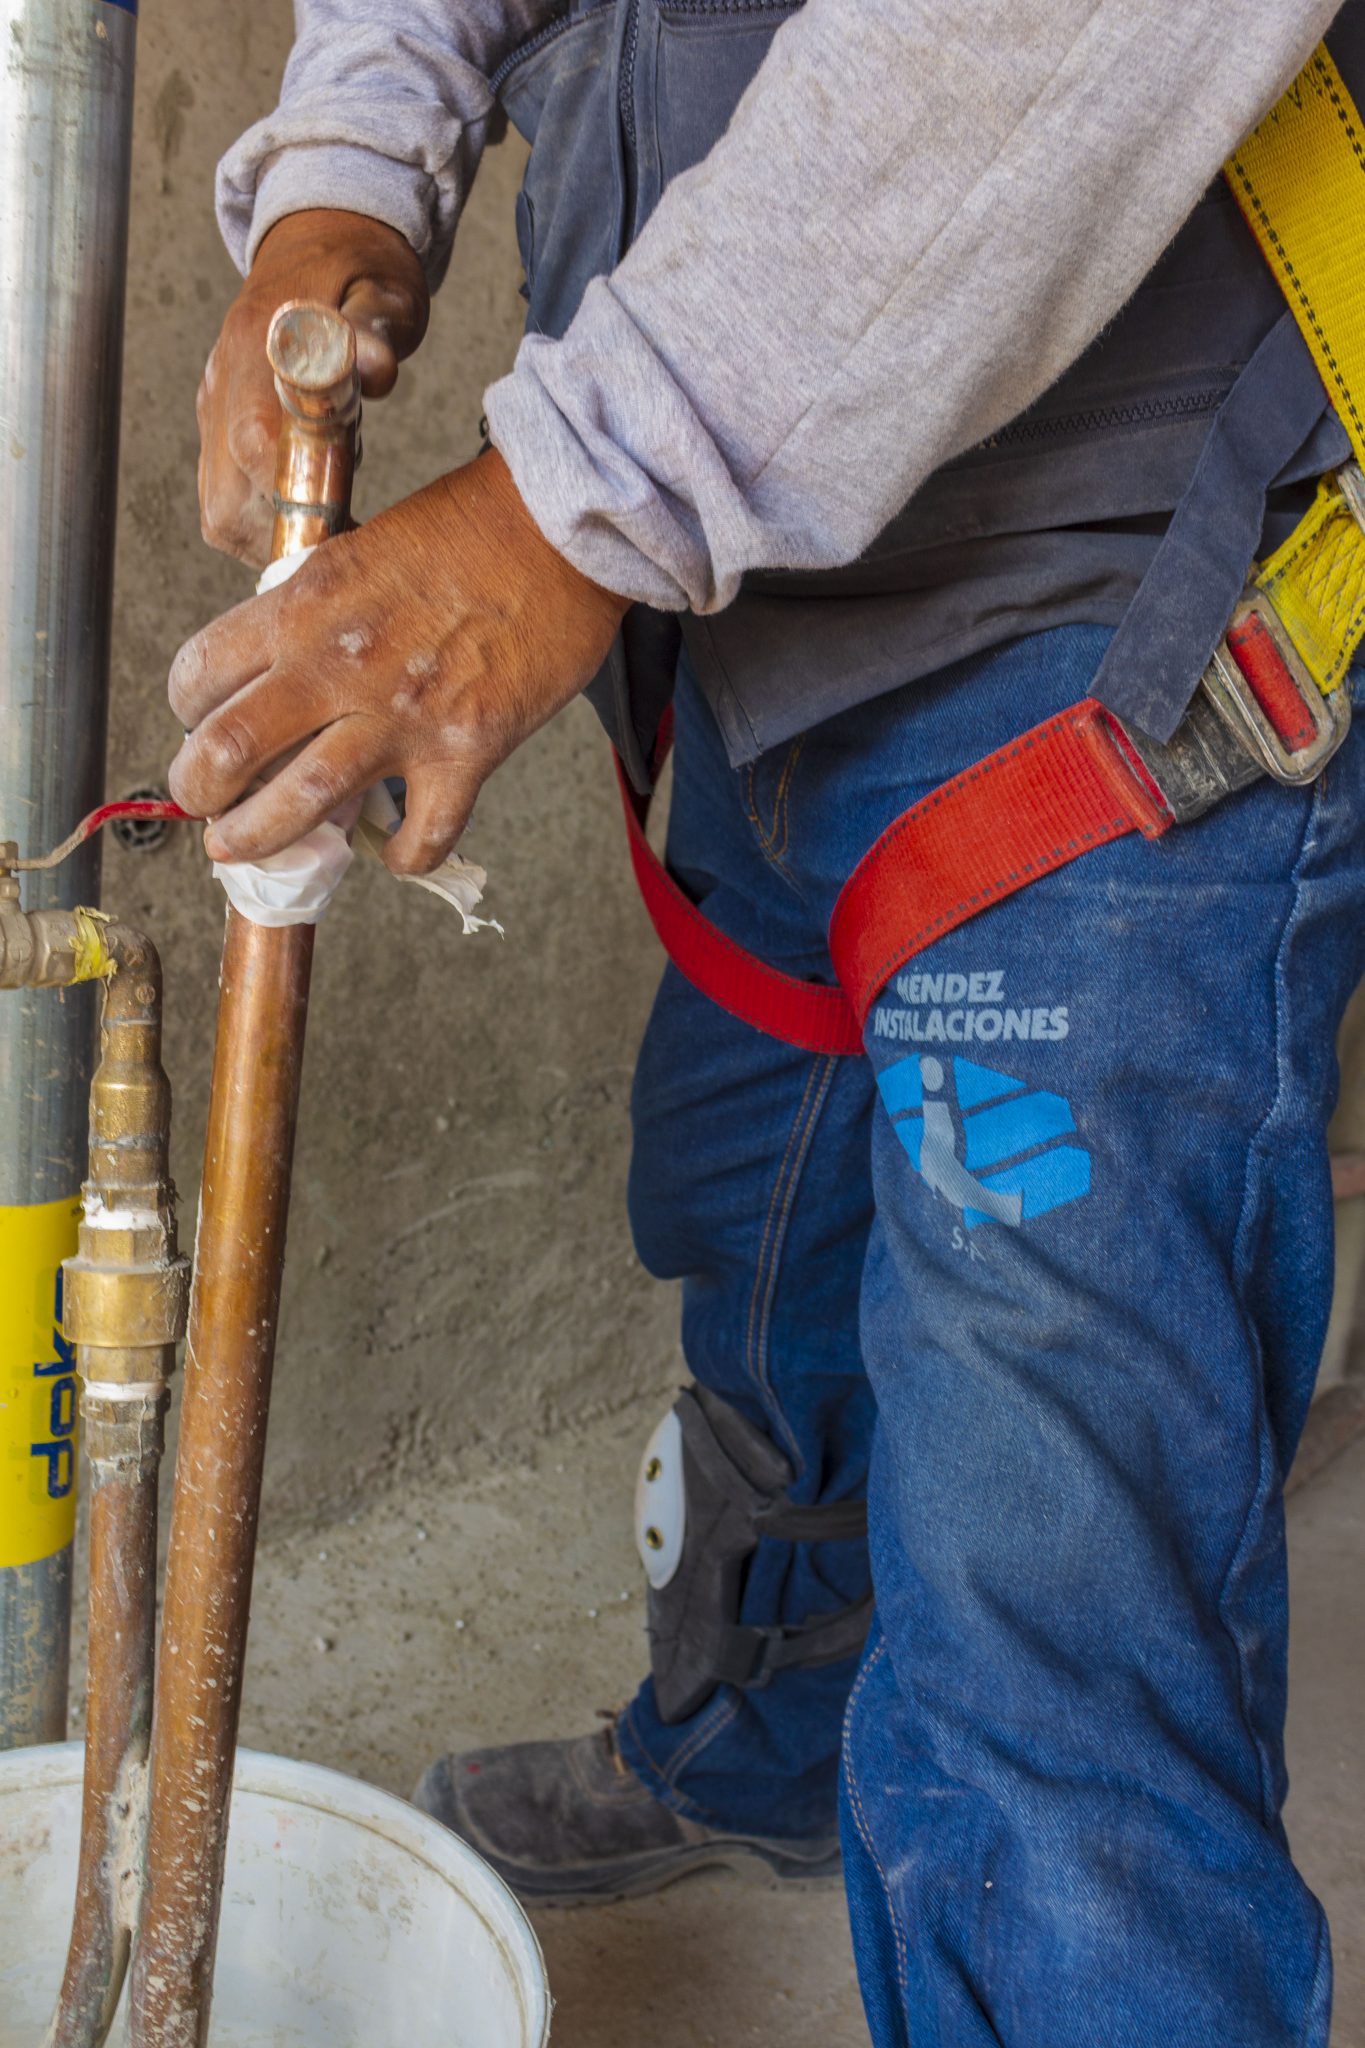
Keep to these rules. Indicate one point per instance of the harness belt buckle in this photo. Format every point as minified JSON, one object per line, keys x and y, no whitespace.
{"x":1257,"y":711}
{"x":1262,"y":687}
{"x":1351,"y":484}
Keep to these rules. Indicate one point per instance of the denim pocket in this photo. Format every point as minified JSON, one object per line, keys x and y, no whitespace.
{"x":708,"y":53}
{"x":557,"y":91}
{"x":767,"y":785}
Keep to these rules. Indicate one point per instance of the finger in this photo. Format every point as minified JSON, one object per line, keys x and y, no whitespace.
{"x":236,"y":743}
{"x":388,"y":325}
{"x":342,"y":760}
{"x":253,"y":428}
{"x":234,"y":516}
{"x":222,"y":657}
{"x":439,"y":803}
{"x":239,"y":419}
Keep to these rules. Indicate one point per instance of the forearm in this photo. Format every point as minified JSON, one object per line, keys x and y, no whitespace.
{"x":918,"y":218}
{"x":384,"y":109}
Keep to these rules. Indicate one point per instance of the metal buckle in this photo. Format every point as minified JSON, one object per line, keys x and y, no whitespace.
{"x":1351,"y":483}
{"x":1225,"y":741}
{"x":1236,"y":700}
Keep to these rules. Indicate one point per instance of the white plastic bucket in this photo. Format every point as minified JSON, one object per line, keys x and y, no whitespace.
{"x":350,"y":1920}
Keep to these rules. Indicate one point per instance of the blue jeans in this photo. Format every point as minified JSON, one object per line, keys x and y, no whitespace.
{"x":1049,"y":1269}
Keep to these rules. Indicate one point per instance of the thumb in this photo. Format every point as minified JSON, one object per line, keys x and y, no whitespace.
{"x":389,"y":322}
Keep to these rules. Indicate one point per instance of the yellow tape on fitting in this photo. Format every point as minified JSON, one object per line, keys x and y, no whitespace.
{"x":1300,"y":180}
{"x":94,"y":961}
{"x":37,"y":1383}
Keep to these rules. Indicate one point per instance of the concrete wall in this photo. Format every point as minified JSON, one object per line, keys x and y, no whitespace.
{"x":460,"y":1272}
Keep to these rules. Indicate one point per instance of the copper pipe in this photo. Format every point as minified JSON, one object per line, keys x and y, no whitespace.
{"x":124,"y":1300}
{"x":243,"y":1209}
{"x":123,"y":1443}
{"x":312,"y":353}
{"x":244,"y":1201}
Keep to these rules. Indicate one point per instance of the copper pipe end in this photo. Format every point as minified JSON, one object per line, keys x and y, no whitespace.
{"x":312,"y":353}
{"x":311,"y":349}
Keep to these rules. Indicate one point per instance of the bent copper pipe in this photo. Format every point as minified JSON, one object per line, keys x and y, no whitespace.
{"x":124,"y":1296}
{"x":239,"y":1262}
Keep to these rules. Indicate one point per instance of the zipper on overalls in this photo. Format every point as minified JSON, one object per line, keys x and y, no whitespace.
{"x":731,"y":6}
{"x":551,"y":31}
{"x":625,"y":98}
{"x":630,"y":37}
{"x":1144,"y":413}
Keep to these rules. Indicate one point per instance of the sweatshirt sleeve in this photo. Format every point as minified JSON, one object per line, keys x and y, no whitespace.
{"x":919,"y":216}
{"x":384,"y":110}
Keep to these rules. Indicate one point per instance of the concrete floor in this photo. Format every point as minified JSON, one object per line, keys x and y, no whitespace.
{"x":506,"y":1604}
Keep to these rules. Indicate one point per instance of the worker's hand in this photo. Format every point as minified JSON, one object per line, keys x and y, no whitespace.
{"x":428,"y":643}
{"x":340,"y":259}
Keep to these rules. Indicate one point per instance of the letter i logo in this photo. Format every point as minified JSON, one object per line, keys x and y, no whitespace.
{"x":982,"y":1142}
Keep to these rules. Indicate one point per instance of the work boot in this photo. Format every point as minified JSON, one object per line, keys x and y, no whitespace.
{"x":569,"y":1824}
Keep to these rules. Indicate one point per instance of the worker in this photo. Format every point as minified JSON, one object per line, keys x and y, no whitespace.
{"x":900,"y":379}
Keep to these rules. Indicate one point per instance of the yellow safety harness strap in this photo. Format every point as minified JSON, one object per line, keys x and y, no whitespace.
{"x":1300,"y":181}
{"x":1316,"y":583}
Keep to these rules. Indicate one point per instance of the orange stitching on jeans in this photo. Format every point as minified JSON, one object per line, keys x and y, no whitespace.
{"x":784,"y":791}
{"x":768,"y":836}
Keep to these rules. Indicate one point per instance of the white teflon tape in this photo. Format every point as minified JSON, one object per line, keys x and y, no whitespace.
{"x":122,"y":1390}
{"x":296,"y":886}
{"x":95,"y":1216}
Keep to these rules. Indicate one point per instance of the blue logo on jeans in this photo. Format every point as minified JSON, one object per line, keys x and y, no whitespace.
{"x":986,"y":1145}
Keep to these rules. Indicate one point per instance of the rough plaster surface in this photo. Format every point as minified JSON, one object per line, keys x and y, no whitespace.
{"x":459,"y":1267}
{"x":459,"y":1270}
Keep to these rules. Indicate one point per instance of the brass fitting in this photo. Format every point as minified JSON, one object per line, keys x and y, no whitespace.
{"x":126,"y":1292}
{"x":47,"y":948}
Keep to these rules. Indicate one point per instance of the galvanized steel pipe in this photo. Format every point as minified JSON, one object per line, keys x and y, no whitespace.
{"x":66,"y":93}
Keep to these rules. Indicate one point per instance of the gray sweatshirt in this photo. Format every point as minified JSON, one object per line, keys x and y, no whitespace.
{"x":921,"y":214}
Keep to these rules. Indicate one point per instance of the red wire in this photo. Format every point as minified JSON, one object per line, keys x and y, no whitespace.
{"x":142,"y":807}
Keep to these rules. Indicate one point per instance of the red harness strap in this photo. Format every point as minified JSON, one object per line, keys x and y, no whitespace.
{"x":1070,"y":784}
{"x":802,"y":1013}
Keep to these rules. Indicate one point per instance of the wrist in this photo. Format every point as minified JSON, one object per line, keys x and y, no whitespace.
{"x":324,"y":251}
{"x":484,"y":500}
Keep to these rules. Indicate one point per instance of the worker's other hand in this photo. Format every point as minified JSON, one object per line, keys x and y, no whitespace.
{"x":428,"y":643}
{"x":341,"y":259}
